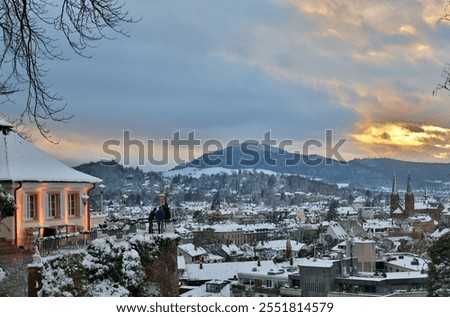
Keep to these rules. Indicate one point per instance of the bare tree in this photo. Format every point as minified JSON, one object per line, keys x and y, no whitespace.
{"x":26,"y":25}
{"x":446,"y":71}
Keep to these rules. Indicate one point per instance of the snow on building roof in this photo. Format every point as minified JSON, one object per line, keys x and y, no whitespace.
{"x":182,"y":230}
{"x":224,"y":271}
{"x":406,"y":260}
{"x":214,"y":258}
{"x":421,"y":205}
{"x":202,"y":291}
{"x":359,"y":200}
{"x":313,"y":262}
{"x":377,"y":224}
{"x":181,"y":263}
{"x":278,"y":245}
{"x":420,"y":218}
{"x":20,"y":160}
{"x":336,"y":231}
{"x":192,"y":250}
{"x":230,"y":270}
{"x":358,"y":240}
{"x":232,"y":249}
{"x":397,"y":211}
{"x":389,"y":276}
{"x":439,"y":233}
{"x":233,"y":227}
{"x":347,"y":210}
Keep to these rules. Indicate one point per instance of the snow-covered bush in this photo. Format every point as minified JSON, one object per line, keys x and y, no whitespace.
{"x":105,"y":268}
{"x":7,"y":204}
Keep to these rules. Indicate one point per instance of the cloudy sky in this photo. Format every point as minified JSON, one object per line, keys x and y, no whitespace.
{"x":234,"y":70}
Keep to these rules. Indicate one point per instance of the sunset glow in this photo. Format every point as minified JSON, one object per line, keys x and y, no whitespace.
{"x":401,"y":136}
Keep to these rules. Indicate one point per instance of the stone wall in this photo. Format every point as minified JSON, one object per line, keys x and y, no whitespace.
{"x":159,"y":263}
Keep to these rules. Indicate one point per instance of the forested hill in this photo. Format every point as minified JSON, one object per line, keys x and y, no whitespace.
{"x":255,"y":186}
{"x":365,"y":173}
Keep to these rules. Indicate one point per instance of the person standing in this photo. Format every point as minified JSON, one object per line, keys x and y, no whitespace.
{"x":151,"y":217}
{"x":159,"y":218}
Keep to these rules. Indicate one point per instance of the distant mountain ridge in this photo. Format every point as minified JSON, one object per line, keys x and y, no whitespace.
{"x":365,"y":173}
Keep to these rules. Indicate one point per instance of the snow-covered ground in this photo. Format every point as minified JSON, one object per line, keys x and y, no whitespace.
{"x":198,"y":172}
{"x":14,"y":275}
{"x":2,"y":274}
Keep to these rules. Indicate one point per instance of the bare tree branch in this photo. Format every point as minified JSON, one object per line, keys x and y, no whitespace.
{"x":446,"y":71}
{"x":24,"y":26}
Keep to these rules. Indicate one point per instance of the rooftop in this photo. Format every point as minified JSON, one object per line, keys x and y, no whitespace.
{"x":20,"y":160}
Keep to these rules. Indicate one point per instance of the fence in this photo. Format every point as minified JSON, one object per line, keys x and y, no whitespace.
{"x":80,"y":240}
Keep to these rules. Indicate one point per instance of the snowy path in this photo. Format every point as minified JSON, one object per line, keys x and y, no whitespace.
{"x":15,"y":284}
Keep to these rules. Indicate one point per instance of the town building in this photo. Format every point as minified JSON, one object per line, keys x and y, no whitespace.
{"x":409,"y":208}
{"x":50,"y":197}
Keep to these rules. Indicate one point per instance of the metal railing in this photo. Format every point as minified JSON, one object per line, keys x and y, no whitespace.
{"x":65,"y":242}
{"x":79,"y":240}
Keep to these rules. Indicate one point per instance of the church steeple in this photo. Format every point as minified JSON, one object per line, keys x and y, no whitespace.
{"x":409,"y":198}
{"x":395,"y":197}
{"x":409,"y":185}
{"x":394,"y":185}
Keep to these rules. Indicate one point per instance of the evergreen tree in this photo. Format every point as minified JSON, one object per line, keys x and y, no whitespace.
{"x":332,"y":211}
{"x":439,"y":268}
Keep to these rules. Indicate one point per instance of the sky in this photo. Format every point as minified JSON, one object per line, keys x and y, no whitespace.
{"x":237,"y":70}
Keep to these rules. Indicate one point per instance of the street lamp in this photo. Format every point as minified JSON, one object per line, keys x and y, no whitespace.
{"x":101,"y":187}
{"x":84,"y":199}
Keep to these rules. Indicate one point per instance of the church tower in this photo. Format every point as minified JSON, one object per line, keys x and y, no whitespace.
{"x":409,"y":199}
{"x":395,"y":197}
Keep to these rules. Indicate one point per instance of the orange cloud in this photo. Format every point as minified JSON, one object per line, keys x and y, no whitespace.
{"x":402,"y":138}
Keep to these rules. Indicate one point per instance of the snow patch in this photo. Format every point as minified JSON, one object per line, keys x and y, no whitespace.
{"x":198,"y":172}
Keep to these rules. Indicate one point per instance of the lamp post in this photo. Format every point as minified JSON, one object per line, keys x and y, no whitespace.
{"x":101,"y":187}
{"x":84,"y":199}
{"x":87,"y":221}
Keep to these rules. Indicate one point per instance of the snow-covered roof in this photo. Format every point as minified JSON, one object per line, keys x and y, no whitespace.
{"x":390,"y":276}
{"x":279,"y":245}
{"x":406,"y":260}
{"x":181,"y":263}
{"x":420,"y":218}
{"x":421,"y":205}
{"x":397,"y":211}
{"x":234,"y":227}
{"x":359,"y":200}
{"x":439,"y":233}
{"x":232,"y":249}
{"x":377,"y":224}
{"x":336,"y":231}
{"x":348,"y":210}
{"x":229,"y":270}
{"x":213,"y":257}
{"x":192,"y":250}
{"x":312,"y":262}
{"x":201,"y":291}
{"x":20,"y":160}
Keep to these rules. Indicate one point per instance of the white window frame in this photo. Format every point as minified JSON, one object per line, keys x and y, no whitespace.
{"x":28,"y":203}
{"x":54,"y":205}
{"x":73,"y":204}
